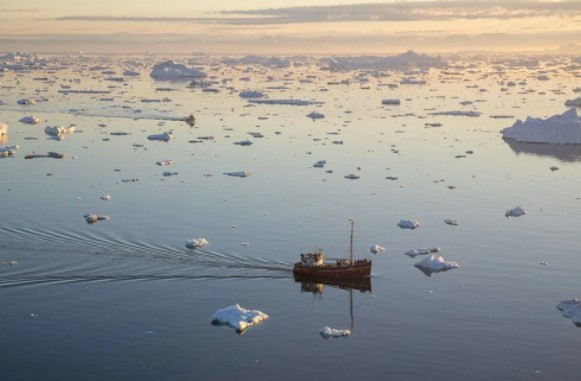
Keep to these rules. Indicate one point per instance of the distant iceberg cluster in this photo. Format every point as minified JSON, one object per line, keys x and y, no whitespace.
{"x":171,"y":71}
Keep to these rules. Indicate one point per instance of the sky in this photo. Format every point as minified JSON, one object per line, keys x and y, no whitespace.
{"x":288,"y":27}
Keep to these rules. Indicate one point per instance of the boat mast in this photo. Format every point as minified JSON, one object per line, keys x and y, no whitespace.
{"x":352,"y":223}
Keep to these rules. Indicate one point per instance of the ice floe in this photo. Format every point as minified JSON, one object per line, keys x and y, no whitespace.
{"x":352,"y":176}
{"x":238,"y":318}
{"x":515,"y":212}
{"x":289,"y":102}
{"x":251,"y":94}
{"x":8,"y":150}
{"x":571,"y":309}
{"x":320,"y":164}
{"x":316,"y":115}
{"x":3,"y":129}
{"x":451,"y":222}
{"x":170,"y":70}
{"x":30,"y":120}
{"x":558,"y":129}
{"x":329,"y":333}
{"x":435,"y":263}
{"x":105,"y":197}
{"x":472,"y":114}
{"x":415,"y":252}
{"x":408,"y":224}
{"x":58,"y":132}
{"x":376,"y":249}
{"x":393,"y":102}
{"x":92,"y":218}
{"x":237,"y":174}
{"x":573,"y":102}
{"x":196,"y":243}
{"x":165,"y":137}
{"x":165,"y":162}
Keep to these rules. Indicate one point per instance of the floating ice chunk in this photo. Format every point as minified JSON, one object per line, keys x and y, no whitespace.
{"x":553,"y":168}
{"x":244,"y":143}
{"x":315,"y":115}
{"x":376,"y":249}
{"x":131,"y":73}
{"x":393,"y":102}
{"x":8,"y":150}
{"x":573,"y":102}
{"x":106,"y":197}
{"x":289,"y":102}
{"x":558,"y":129}
{"x":30,"y":120}
{"x":515,"y":212}
{"x":26,"y":102}
{"x":352,"y":176}
{"x":50,"y":155}
{"x":251,"y":94}
{"x":415,"y":252}
{"x":3,"y":129}
{"x":408,"y":224}
{"x":328,"y":332}
{"x":170,"y":70}
{"x":237,"y":174}
{"x":93,"y":218}
{"x":571,"y":309}
{"x":196,"y":243}
{"x":58,"y":132}
{"x":451,"y":222}
{"x":435,"y":263}
{"x":411,"y":81}
{"x":320,"y":164}
{"x":238,"y":318}
{"x":165,"y":162}
{"x":472,"y":114}
{"x":165,"y":137}
{"x":168,"y":174}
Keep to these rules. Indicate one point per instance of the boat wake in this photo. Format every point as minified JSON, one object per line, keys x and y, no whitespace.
{"x":199,"y":264}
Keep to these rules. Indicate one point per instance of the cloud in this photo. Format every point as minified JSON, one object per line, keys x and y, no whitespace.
{"x":437,"y":10}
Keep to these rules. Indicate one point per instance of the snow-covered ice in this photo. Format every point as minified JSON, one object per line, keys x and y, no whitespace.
{"x":238,"y":318}
{"x":376,"y":249}
{"x":435,"y":263}
{"x":196,"y":243}
{"x":58,"y":132}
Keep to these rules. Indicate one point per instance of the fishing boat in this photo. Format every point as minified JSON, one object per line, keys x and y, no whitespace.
{"x":313,"y":265}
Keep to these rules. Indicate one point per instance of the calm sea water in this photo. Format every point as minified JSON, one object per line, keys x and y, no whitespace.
{"x":124,"y":299}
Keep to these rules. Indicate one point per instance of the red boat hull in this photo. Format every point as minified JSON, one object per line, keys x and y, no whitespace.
{"x":331,"y":271}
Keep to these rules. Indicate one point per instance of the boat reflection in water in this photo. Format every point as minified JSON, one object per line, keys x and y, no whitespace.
{"x":317,"y":286}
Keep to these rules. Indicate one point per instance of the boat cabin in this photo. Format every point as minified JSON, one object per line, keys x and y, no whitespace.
{"x":313,"y":259}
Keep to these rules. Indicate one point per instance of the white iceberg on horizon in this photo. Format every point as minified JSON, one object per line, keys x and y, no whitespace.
{"x":170,"y":70}
{"x":238,"y":318}
{"x":558,"y":129}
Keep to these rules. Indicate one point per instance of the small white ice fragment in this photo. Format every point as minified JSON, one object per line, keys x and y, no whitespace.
{"x":328,"y":332}
{"x":376,"y":249}
{"x":408,"y":224}
{"x":165,"y":162}
{"x":196,"y":243}
{"x":58,"y":132}
{"x":106,"y":197}
{"x":451,"y":222}
{"x":238,"y":318}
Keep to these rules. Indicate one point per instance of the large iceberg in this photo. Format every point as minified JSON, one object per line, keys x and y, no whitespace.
{"x":407,"y":60}
{"x":558,"y":129}
{"x":170,"y":70}
{"x":238,"y":318}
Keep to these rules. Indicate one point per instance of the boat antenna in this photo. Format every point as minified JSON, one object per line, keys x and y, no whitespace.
{"x":352,"y":223}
